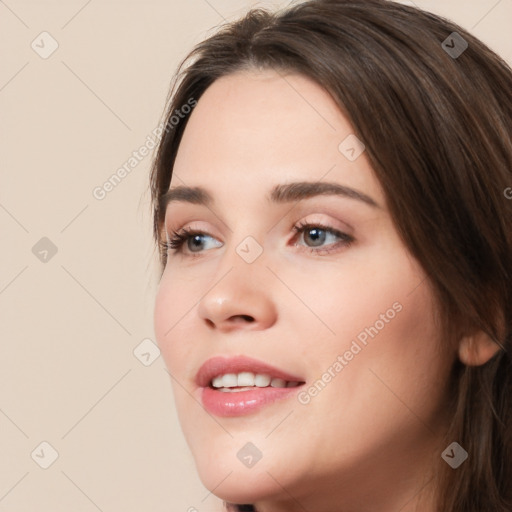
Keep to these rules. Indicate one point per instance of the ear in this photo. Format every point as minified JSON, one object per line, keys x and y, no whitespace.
{"x":476,"y":349}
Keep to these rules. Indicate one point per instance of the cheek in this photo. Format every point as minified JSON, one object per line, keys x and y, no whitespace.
{"x":381,"y":317}
{"x":171,"y":320}
{"x":373,"y":289}
{"x":393,"y":363}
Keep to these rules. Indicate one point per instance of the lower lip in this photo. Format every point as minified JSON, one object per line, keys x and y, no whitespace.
{"x":239,"y":403}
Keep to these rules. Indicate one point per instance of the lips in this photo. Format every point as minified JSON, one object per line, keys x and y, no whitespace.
{"x":218,"y":366}
{"x":222,"y":396}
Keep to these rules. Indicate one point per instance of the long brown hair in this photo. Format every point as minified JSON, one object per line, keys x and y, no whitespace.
{"x":434,"y":110}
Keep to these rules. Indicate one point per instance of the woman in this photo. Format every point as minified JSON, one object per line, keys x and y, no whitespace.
{"x":334,"y":306}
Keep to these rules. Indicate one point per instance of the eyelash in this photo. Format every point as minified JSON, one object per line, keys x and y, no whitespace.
{"x":179,"y":238}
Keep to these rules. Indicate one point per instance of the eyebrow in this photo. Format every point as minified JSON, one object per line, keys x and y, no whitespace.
{"x":284,"y":193}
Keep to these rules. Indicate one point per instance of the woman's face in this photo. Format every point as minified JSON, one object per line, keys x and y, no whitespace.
{"x":340,"y":308}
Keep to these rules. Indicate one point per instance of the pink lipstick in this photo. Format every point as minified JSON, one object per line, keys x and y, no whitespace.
{"x":240,"y":385}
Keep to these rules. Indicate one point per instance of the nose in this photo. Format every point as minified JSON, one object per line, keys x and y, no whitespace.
{"x":241,"y":297}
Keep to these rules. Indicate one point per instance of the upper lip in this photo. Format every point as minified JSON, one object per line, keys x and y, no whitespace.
{"x":221,"y":365}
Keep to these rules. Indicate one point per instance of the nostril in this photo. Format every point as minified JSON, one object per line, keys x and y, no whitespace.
{"x":245,"y":317}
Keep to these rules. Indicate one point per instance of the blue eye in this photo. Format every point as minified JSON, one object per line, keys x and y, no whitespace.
{"x":184,"y":236}
{"x":317,"y":232}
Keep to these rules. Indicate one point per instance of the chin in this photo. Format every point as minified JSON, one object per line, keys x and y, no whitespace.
{"x":243,"y":485}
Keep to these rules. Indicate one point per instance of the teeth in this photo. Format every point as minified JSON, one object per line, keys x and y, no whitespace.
{"x":217,"y":382}
{"x":278,"y":383}
{"x":235,"y":390}
{"x":262,"y":381}
{"x":229,"y":380}
{"x":244,"y":380}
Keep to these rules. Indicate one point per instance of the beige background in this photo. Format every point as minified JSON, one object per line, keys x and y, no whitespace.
{"x":70,"y":324}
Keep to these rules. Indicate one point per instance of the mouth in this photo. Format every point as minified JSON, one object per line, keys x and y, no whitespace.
{"x":240,"y":385}
{"x":243,"y":381}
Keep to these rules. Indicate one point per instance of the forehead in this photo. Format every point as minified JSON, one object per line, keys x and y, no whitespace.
{"x":260,"y":128}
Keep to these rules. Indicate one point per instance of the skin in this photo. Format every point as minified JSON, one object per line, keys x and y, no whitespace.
{"x":369,"y":439}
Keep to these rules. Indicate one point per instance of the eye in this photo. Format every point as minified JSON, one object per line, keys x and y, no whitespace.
{"x":316,"y":232}
{"x":192,"y":238}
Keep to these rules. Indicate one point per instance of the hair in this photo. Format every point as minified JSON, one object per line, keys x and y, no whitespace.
{"x":437,"y":128}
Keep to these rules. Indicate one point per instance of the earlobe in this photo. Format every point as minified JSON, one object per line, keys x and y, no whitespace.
{"x":477,"y":349}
